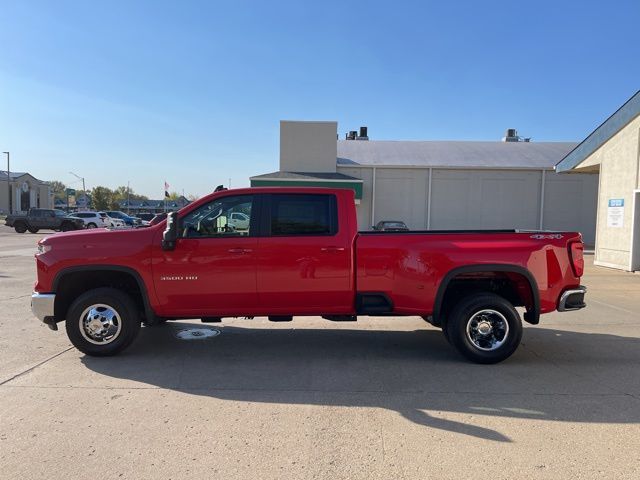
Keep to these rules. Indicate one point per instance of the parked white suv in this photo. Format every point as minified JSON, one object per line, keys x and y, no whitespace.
{"x":114,"y":222}
{"x":98,"y":220}
{"x":92,"y":219}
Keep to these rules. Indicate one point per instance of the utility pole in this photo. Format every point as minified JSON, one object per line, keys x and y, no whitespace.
{"x":84,"y":192}
{"x":128,"y":198}
{"x":8,"y":184}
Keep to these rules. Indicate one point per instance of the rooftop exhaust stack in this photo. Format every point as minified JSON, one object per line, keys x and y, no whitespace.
{"x":353,"y":134}
{"x":511,"y":136}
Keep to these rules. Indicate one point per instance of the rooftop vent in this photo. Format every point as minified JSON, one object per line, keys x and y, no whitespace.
{"x":512,"y":136}
{"x":354,"y":135}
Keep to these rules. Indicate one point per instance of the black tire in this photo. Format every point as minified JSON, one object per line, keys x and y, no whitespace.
{"x":34,"y":230}
{"x":496,"y":346}
{"x":92,"y":225}
{"x":158,"y":322}
{"x":127,"y":315}
{"x":67,"y":227}
{"x":445,"y":332}
{"x":20,"y":227}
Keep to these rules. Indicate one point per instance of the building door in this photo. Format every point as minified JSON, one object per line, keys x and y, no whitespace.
{"x":635,"y":232}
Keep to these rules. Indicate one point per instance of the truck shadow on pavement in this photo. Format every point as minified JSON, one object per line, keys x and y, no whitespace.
{"x":554,"y":376}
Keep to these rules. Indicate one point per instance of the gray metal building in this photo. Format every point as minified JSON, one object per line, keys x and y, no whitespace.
{"x":434,"y":185}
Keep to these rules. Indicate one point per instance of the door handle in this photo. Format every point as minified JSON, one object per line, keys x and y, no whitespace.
{"x":332,"y":249}
{"x":240,"y":250}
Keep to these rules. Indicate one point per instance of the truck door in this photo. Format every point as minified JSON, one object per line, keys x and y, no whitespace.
{"x":40,"y":218}
{"x":304,"y":256}
{"x":35,"y":217}
{"x":212,"y":271}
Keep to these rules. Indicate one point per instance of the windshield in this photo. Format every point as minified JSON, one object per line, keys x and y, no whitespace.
{"x":60,"y":213}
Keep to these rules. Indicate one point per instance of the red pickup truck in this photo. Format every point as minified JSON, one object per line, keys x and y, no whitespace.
{"x":280,"y":252}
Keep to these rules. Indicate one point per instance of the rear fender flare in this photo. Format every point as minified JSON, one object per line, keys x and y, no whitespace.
{"x":531,"y":316}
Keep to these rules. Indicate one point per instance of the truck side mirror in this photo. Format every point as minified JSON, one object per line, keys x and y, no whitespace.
{"x":170,"y":234}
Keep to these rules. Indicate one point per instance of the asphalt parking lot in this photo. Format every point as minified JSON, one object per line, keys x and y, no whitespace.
{"x":381,"y":398}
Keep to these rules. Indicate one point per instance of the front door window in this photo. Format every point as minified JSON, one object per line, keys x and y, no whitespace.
{"x":225,"y":217}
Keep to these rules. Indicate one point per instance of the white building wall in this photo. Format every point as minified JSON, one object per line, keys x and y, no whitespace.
{"x":619,"y":160}
{"x":571,"y":204}
{"x":308,"y":146}
{"x":477,"y":199}
{"x":4,"y":199}
{"x":402,"y":194}
{"x":485,"y":199}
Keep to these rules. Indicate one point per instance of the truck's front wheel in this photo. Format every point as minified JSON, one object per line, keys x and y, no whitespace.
{"x":485,"y":328}
{"x":20,"y":227}
{"x":102,"y":322}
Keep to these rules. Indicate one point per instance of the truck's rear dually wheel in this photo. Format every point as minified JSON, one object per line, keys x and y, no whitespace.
{"x":485,"y":328}
{"x":102,"y":322}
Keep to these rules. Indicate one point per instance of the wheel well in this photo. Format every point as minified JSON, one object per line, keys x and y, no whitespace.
{"x":513,"y":286}
{"x":73,"y":284}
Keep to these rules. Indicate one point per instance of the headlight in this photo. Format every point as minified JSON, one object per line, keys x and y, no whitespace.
{"x":43,"y":248}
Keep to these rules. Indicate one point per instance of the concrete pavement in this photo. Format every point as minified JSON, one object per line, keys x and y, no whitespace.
{"x":380,"y":398}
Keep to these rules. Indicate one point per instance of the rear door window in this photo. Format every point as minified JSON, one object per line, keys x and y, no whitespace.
{"x":303,"y":214}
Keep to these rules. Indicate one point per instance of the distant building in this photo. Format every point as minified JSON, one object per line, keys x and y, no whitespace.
{"x":434,"y":185}
{"x":152,"y":206}
{"x":26,"y":192}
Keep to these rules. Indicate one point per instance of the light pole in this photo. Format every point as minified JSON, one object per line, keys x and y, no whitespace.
{"x":84,"y":192}
{"x":8,"y":184}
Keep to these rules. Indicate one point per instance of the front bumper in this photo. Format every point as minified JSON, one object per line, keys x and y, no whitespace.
{"x":42,"y":305}
{"x":572,"y":299}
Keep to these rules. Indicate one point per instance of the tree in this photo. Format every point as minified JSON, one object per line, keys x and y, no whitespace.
{"x":58,"y":189}
{"x":123,"y":193}
{"x":101,"y":198}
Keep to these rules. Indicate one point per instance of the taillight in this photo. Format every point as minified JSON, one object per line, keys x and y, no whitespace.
{"x":577,"y":258}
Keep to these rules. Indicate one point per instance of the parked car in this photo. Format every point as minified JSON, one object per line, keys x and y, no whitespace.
{"x":157,"y":218}
{"x":303,"y":255}
{"x":43,"y":219}
{"x":391,"y":226}
{"x":127,"y":219}
{"x":146,"y":216}
{"x":94,"y":219}
{"x":114,"y":222}
{"x":238,"y":221}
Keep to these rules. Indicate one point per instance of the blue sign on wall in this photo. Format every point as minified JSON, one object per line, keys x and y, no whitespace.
{"x":616,"y":202}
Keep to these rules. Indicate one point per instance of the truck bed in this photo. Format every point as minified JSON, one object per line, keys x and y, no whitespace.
{"x":411,"y":267}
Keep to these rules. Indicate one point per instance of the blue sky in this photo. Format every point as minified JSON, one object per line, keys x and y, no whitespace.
{"x":192,"y":92}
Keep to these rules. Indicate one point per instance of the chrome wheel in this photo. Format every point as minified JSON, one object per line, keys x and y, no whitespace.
{"x":487,"y":330}
{"x":100,"y":324}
